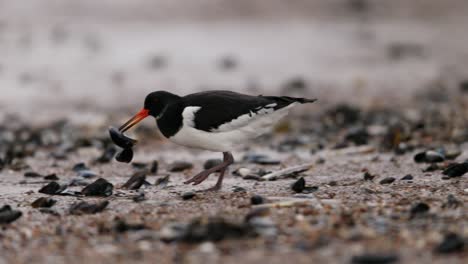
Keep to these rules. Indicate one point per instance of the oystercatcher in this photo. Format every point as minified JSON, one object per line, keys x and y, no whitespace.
{"x":213,"y":120}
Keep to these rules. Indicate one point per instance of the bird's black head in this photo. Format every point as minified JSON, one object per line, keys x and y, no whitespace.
{"x":154,"y":106}
{"x":156,"y":102}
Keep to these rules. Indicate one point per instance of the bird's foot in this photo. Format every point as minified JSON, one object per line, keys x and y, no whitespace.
{"x":199,"y":178}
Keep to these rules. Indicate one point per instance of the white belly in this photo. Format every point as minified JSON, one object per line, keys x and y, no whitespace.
{"x":226,"y":140}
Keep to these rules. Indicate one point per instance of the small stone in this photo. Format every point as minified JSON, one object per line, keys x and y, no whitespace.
{"x":32,"y":174}
{"x":299,"y":185}
{"x":431,"y":168}
{"x":257,"y":199}
{"x":120,"y":226}
{"x":429,"y":156}
{"x":452,"y":202}
{"x":452,"y":243}
{"x":368,"y":177}
{"x":464,"y":86}
{"x":51,"y":177}
{"x":100,"y":187}
{"x":139,"y":165}
{"x":239,"y":189}
{"x":43,"y":202}
{"x":243,"y":172}
{"x":261,"y":159}
{"x":419,"y":209}
{"x":79,"y":167}
{"x":408,"y":177}
{"x":87,"y":174}
{"x":126,"y":155}
{"x":139,"y":197}
{"x":8,"y":215}
{"x":211,"y":163}
{"x":180,"y":166}
{"x":87,"y":208}
{"x":154,"y":167}
{"x":374,"y":259}
{"x":387,"y":180}
{"x":188,"y":195}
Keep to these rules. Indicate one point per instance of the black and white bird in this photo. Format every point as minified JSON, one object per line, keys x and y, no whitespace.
{"x":214,"y":120}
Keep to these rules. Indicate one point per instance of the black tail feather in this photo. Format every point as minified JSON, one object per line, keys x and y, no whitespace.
{"x":298,"y":99}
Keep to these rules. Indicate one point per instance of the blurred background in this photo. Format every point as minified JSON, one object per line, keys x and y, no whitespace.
{"x":77,"y":59}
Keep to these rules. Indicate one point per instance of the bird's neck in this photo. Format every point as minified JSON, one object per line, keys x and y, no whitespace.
{"x":170,"y":120}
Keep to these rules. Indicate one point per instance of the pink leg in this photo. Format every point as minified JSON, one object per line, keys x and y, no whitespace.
{"x":199,"y":178}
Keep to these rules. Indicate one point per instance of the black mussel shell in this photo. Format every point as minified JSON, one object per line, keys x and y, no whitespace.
{"x":120,"y":139}
{"x":125,"y":155}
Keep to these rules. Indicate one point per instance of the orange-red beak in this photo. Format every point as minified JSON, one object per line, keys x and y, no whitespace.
{"x":134,"y":120}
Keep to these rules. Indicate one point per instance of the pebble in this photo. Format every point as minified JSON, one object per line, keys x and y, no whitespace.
{"x":408,"y":177}
{"x":450,"y":244}
{"x":431,"y":168}
{"x":452,"y":202}
{"x":51,"y":177}
{"x":260,"y":159}
{"x":140,"y":197}
{"x":419,"y":209}
{"x":387,"y":180}
{"x":200,"y":230}
{"x":257,"y":199}
{"x":87,"y":208}
{"x":79,"y":167}
{"x":120,"y":226}
{"x":8,"y":215}
{"x":139,"y":165}
{"x":32,"y":174}
{"x":429,"y":156}
{"x":238,"y":189}
{"x":188,"y":195}
{"x":126,"y":155}
{"x":100,"y":187}
{"x":43,"y":202}
{"x":243,"y":172}
{"x":87,"y":174}
{"x":368,"y":176}
{"x":179,"y":166}
{"x":211,"y":163}
{"x":375,"y":259}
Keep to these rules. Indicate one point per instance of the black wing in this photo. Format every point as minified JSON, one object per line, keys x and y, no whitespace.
{"x":220,"y":107}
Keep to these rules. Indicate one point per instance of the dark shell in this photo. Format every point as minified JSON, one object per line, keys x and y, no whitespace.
{"x":299,"y":185}
{"x":88,"y":208}
{"x":43,"y":202}
{"x":120,"y":139}
{"x":125,"y":155}
{"x":8,"y":215}
{"x":100,"y":187}
{"x":456,"y":170}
